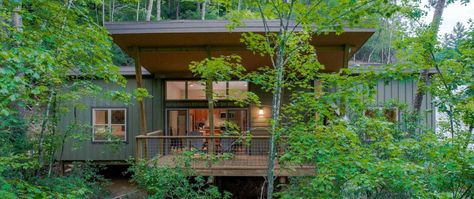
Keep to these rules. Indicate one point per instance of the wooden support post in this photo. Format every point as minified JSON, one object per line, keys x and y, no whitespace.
{"x":61,"y":168}
{"x":137,"y":148}
{"x":141,"y":102}
{"x":282,"y":180}
{"x":318,"y":90}
{"x":347,"y":51}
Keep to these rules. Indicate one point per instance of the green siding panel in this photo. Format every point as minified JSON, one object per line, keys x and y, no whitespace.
{"x":402,"y":90}
{"x":87,"y":150}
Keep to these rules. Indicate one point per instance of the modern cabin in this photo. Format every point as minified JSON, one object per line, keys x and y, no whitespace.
{"x":175,"y":118}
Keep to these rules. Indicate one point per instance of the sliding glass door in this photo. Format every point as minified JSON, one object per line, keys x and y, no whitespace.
{"x":177,"y":122}
{"x":195,"y":121}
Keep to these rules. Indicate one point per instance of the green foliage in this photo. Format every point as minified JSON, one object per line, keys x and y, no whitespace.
{"x":222,"y":68}
{"x":48,"y":62}
{"x":167,"y":182}
{"x":368,"y":156}
{"x":294,"y":59}
{"x":18,"y":181}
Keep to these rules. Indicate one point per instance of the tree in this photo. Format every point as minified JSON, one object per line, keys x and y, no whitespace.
{"x":149,"y":9}
{"x":44,"y":73}
{"x":289,"y":49}
{"x":212,"y":70}
{"x":158,"y":10}
{"x":439,"y":6}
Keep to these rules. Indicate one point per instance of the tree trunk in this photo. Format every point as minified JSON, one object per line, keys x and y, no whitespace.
{"x":203,"y":10}
{"x":370,"y":55}
{"x":276,"y":107}
{"x":138,"y":10}
{"x":239,"y":5}
{"x":389,"y":56}
{"x":103,"y":12}
{"x":43,"y":128}
{"x":149,"y":8}
{"x":17,"y":20}
{"x":169,"y":9}
{"x":158,"y":10}
{"x":424,"y":76}
{"x":112,"y":11}
{"x":54,"y":121}
{"x":177,"y":9}
{"x":96,"y":13}
{"x":198,"y":7}
{"x":210,"y":103}
{"x":66,"y":134}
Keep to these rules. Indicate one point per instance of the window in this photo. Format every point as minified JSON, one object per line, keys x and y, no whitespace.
{"x":109,"y":124}
{"x":175,"y":90}
{"x":391,"y":114}
{"x":196,"y":90}
{"x":236,"y":88}
{"x":220,"y":90}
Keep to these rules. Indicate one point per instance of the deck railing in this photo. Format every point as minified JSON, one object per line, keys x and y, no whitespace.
{"x":235,"y":151}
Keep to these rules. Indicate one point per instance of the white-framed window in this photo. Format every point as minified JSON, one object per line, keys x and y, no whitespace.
{"x":109,"y":124}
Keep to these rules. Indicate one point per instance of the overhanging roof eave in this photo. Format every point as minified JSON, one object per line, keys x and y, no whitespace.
{"x":198,"y":26}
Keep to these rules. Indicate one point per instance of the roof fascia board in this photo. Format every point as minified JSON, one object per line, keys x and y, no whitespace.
{"x":198,"y":26}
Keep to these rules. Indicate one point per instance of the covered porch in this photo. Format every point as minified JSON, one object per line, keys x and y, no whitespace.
{"x":167,"y":48}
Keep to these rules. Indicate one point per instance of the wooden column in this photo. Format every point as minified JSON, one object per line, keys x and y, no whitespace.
{"x":347,"y":51}
{"x":141,"y":103}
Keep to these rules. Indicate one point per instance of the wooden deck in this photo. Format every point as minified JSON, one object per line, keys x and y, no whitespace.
{"x":238,"y":165}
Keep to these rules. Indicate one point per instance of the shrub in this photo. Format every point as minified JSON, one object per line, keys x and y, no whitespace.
{"x":172,"y":182}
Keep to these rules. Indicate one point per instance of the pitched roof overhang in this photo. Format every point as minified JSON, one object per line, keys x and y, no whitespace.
{"x":168,"y":47}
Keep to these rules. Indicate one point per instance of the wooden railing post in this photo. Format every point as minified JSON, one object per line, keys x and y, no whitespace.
{"x":137,"y":148}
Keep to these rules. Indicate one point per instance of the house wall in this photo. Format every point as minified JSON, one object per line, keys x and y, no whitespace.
{"x":86,"y":149}
{"x":402,"y":90}
{"x":387,"y":90}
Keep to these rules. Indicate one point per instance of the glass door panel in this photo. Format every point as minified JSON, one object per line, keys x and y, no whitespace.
{"x":177,"y":126}
{"x":177,"y":122}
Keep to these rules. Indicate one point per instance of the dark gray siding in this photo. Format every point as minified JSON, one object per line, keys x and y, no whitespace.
{"x":401,"y":90}
{"x":387,"y":90}
{"x":86,"y":150}
{"x":404,"y":91}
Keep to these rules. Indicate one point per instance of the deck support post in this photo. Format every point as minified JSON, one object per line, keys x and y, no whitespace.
{"x":61,"y":168}
{"x":282,"y":180}
{"x":141,"y":103}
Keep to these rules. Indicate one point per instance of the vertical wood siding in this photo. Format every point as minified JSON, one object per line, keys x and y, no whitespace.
{"x":404,"y":91}
{"x":87,"y":150}
{"x":401,"y":90}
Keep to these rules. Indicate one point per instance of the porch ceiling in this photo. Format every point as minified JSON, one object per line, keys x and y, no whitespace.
{"x":168,"y":47}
